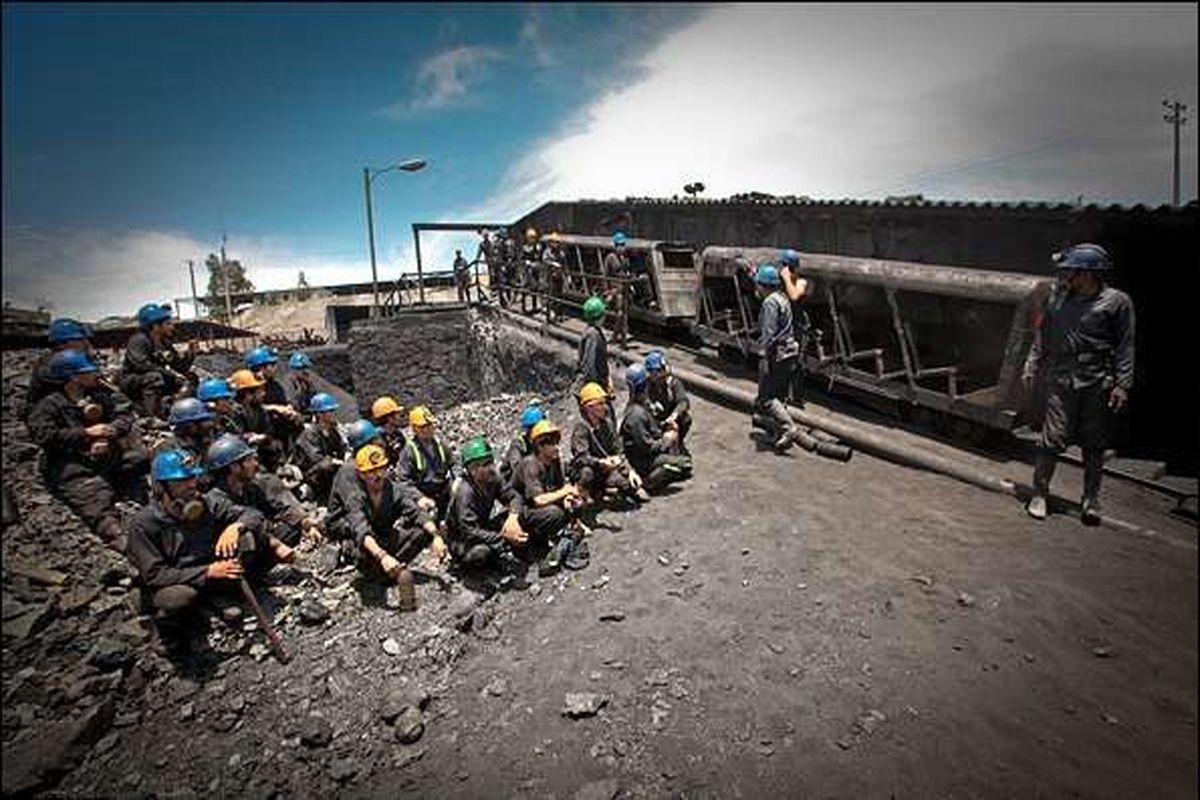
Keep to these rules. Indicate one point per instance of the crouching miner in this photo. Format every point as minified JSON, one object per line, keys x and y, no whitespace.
{"x":233,"y":468}
{"x":481,"y":533}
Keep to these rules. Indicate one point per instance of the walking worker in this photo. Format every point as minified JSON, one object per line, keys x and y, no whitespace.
{"x":667,"y":398}
{"x":549,"y":504}
{"x":653,"y":453}
{"x":480,"y":531}
{"x":597,"y":461}
{"x":218,"y":396}
{"x":152,"y":368}
{"x":302,"y":386}
{"x":185,"y":545}
{"x":592,"y":363}
{"x":779,"y":352}
{"x":796,"y":289}
{"x":64,"y":334}
{"x":232,"y":466}
{"x":388,"y":416}
{"x":425,"y":465}
{"x":1083,"y":352}
{"x":91,"y":452}
{"x":520,"y":446}
{"x":320,"y":450}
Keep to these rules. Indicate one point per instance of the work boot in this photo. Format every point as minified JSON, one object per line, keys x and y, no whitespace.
{"x":1091,"y":511}
{"x":552,"y":563}
{"x":785,"y":441}
{"x":1037,"y":507}
{"x":578,"y":555}
{"x":641,"y":495}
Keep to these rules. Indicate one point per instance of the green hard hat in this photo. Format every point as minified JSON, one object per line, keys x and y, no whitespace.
{"x":594,"y":308}
{"x":476,"y":450}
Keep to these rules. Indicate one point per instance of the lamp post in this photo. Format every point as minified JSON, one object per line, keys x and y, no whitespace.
{"x":369,"y":175}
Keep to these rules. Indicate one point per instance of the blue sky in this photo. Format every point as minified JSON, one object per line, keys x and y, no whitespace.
{"x":132,"y":133}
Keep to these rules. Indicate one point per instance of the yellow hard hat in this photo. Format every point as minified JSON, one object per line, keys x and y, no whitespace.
{"x":544,"y":428}
{"x":245,"y":379}
{"x":592,"y":393}
{"x":531,"y":233}
{"x":420,"y":416}
{"x":370,"y":458}
{"x":552,"y":236}
{"x":383,"y":406}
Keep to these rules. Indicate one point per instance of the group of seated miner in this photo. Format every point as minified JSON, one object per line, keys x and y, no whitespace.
{"x":210,"y":464}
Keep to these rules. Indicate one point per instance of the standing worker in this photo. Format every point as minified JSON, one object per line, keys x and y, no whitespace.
{"x":462,"y":277}
{"x":779,"y":352}
{"x":616,"y":270}
{"x":531,"y":263}
{"x":1083,"y":351}
{"x":796,"y":289}
{"x":592,"y":364}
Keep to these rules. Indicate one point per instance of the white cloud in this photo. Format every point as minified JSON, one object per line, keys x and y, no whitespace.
{"x":991,"y":102}
{"x":443,"y":81}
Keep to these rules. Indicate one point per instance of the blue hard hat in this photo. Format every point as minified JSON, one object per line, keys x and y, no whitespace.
{"x":1083,"y":257}
{"x":635,"y":376}
{"x":151,"y":313}
{"x":214,"y":389}
{"x":767,"y":275}
{"x":655,"y":360}
{"x":66,"y":363}
{"x":360,"y":433}
{"x":258,"y":356}
{"x":789,"y":257}
{"x":322,"y":401}
{"x":67,"y":330}
{"x":188,"y":409}
{"x":226,"y":450}
{"x":174,"y":465}
{"x":618,"y":238}
{"x":531,"y":416}
{"x":300,"y":361}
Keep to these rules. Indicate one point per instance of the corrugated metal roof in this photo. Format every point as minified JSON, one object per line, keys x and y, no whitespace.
{"x":848,"y":202}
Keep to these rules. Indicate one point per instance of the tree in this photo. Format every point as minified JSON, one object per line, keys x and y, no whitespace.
{"x":214,"y":297}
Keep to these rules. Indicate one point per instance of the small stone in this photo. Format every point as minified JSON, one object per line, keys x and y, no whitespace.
{"x":745,"y":551}
{"x":391,"y":646}
{"x":235,"y":761}
{"x":110,"y":654}
{"x":845,"y":742}
{"x":535,"y":589}
{"x":409,"y":726}
{"x":679,"y":570}
{"x":802,"y":586}
{"x":187,"y":712}
{"x":343,"y":770}
{"x":578,"y":705}
{"x":597,"y":790}
{"x":868,"y":721}
{"x":776,"y":648}
{"x":313,"y":613}
{"x":664,"y":560}
{"x":237,"y":704}
{"x":601,"y":582}
{"x":766,"y":751}
{"x":1028,"y":657}
{"x":316,"y":732}
{"x":966,"y":600}
{"x":612,"y":616}
{"x":924,"y":580}
{"x":497,"y":687}
{"x":1104,"y":651}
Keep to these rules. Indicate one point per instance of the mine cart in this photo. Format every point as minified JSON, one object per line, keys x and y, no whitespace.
{"x":940,"y":339}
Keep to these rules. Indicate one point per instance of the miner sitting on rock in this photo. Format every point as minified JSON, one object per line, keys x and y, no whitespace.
{"x":667,"y":398}
{"x":218,"y":395}
{"x":549,"y":504}
{"x":64,"y":334}
{"x":302,"y":385}
{"x":597,"y":461}
{"x":379,"y":520}
{"x":185,"y":546}
{"x":520,"y":445}
{"x":320,"y":450}
{"x":424,"y":464}
{"x":388,"y":415}
{"x":152,"y":368}
{"x":233,"y":469}
{"x":254,"y":420}
{"x":286,"y":422}
{"x":654,"y":453}
{"x":91,"y":451}
{"x":480,"y":532}
{"x":192,"y":428}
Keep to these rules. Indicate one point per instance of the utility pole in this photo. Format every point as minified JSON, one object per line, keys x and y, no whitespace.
{"x":195,"y":300}
{"x":225,"y":279}
{"x":1175,"y":116}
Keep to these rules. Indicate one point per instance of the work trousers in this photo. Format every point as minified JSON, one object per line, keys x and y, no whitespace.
{"x":774,"y":383}
{"x":93,"y":494}
{"x":403,"y":545}
{"x":666,"y":469}
{"x":1074,"y":415}
{"x":595,"y":481}
{"x":543,"y":525}
{"x":147,"y":390}
{"x":171,"y":602}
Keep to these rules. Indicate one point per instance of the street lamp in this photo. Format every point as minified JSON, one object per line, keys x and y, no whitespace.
{"x":411,"y":165}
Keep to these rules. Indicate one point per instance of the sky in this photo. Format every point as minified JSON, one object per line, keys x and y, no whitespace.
{"x":134,"y":136}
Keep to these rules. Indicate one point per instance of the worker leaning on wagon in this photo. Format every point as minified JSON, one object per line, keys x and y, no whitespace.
{"x":1083,"y":351}
{"x":779,"y":354}
{"x":152,"y":368}
{"x":796,"y":289}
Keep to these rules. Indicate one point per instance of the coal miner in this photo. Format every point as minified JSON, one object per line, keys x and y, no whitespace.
{"x":192,"y":428}
{"x":462,"y":277}
{"x":286,"y":421}
{"x":489,"y":252}
{"x":777,"y":361}
{"x":1083,"y":352}
{"x":520,"y":446}
{"x":91,"y":451}
{"x":187,"y":547}
{"x":218,"y":396}
{"x":152,"y":368}
{"x":302,"y":385}
{"x":653,"y":452}
{"x":548,"y":503}
{"x":554,"y":270}
{"x":254,"y":420}
{"x":232,"y":466}
{"x":347,"y":489}
{"x":597,"y":461}
{"x":531,"y":269}
{"x":616,"y":267}
{"x":592,"y":363}
{"x":481,"y":531}
{"x":425,"y":465}
{"x":388,"y":416}
{"x":320,"y":450}
{"x":796,"y":289}
{"x":379,"y":522}
{"x":64,"y":334}
{"x":667,"y":398}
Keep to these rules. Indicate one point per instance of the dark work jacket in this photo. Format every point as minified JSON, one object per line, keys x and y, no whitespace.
{"x":301,"y":394}
{"x":142,"y":356}
{"x":589,"y":445}
{"x":252,"y":419}
{"x":518,"y":448}
{"x":533,"y":478}
{"x":351,"y":515}
{"x":56,"y":425}
{"x":318,"y":452}
{"x":41,"y":381}
{"x":669,"y":397}
{"x":641,"y":437}
{"x":169,"y":552}
{"x":1084,"y":340}
{"x":276,"y":506}
{"x":775,"y":333}
{"x":425,"y":468}
{"x":592,"y":365}
{"x":473,"y":516}
{"x":395,"y":444}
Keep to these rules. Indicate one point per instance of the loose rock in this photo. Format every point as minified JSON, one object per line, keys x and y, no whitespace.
{"x":578,"y":705}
